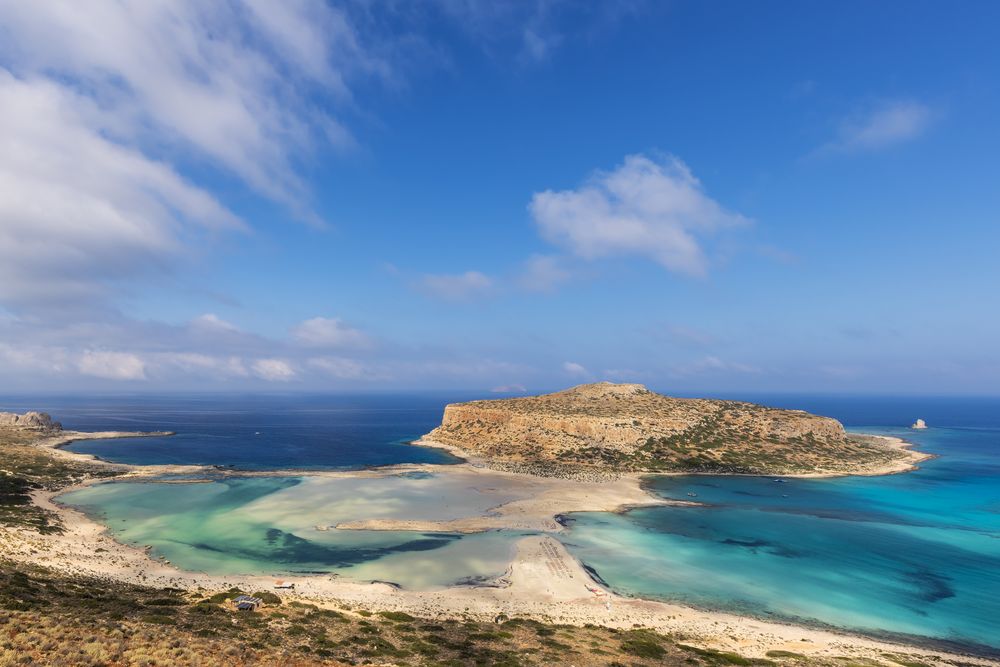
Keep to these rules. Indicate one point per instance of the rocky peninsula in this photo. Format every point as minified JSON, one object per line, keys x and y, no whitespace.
{"x":618,"y":428}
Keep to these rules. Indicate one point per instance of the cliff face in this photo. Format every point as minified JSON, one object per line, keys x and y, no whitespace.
{"x":628,"y":427}
{"x":32,"y":420}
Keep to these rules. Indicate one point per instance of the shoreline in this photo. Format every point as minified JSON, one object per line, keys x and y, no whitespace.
{"x":907,"y":463}
{"x":543,"y":581}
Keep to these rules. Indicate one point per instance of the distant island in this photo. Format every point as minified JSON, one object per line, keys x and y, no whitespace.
{"x":628,"y":428}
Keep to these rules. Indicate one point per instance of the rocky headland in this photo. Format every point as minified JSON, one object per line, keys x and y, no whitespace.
{"x":606,"y":427}
{"x":38,"y":421}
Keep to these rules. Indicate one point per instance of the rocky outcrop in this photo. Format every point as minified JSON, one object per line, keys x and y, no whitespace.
{"x":40,"y":421}
{"x":628,"y":427}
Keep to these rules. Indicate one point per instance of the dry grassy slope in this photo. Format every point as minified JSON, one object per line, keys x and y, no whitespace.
{"x":628,"y":427}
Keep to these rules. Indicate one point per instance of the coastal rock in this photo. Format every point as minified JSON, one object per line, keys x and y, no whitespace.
{"x":29,"y":420}
{"x":919,"y":424}
{"x":628,"y":427}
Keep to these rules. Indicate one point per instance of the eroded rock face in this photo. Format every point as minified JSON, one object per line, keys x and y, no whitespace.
{"x":628,"y":427}
{"x":33,"y":420}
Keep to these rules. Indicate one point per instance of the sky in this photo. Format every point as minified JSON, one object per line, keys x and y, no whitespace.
{"x":706,"y":196}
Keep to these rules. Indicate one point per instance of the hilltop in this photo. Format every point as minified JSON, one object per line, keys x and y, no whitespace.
{"x":40,"y":421}
{"x":627,"y":427}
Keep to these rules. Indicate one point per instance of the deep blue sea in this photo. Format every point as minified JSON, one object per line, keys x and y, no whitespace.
{"x":254,"y":432}
{"x":913,"y":554}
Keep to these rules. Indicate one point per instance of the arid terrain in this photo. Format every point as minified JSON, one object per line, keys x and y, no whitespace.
{"x":628,"y":428}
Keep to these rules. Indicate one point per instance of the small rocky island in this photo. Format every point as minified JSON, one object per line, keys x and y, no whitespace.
{"x":628,"y":428}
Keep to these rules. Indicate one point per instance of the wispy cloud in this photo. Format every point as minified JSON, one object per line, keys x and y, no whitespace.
{"x":650,"y":208}
{"x":883,"y":126}
{"x":329,"y":332}
{"x":70,"y":233}
{"x":712,"y":364}
{"x":228,"y":80}
{"x":575,"y":369}
{"x":132,"y":90}
{"x":456,"y":287}
{"x":213,"y":323}
{"x":342,"y":368}
{"x":543,"y":273}
{"x":533,"y":30}
{"x":509,"y":389}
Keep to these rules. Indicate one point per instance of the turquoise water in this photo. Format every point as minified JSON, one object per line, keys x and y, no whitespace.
{"x":915,"y":553}
{"x":284,"y":525}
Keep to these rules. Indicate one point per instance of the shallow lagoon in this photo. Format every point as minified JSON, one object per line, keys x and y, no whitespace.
{"x":916,"y":553}
{"x":912,"y":553}
{"x":269,"y":525}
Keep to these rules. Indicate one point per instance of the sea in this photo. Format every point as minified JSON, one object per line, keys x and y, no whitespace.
{"x":914,"y":555}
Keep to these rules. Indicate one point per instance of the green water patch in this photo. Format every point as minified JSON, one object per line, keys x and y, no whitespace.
{"x":287,"y":525}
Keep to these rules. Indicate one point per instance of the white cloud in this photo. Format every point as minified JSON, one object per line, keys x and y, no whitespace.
{"x":112,"y":365}
{"x":194,"y":363}
{"x":68,"y":231}
{"x":574,"y":368}
{"x":457,"y":287}
{"x":653,"y":209}
{"x":543,"y":273}
{"x":99,"y":101}
{"x":224,"y":79}
{"x":887,"y":125}
{"x":329,"y":332}
{"x":33,"y":358}
{"x":273,"y":370}
{"x":212,"y":322}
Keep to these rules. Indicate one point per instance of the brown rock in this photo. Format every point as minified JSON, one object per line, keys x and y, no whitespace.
{"x":628,"y":427}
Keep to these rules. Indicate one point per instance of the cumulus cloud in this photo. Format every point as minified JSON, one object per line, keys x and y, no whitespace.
{"x":112,"y":365}
{"x":574,"y":368}
{"x":883,"y":126}
{"x":456,"y":287}
{"x":273,"y":370}
{"x":650,"y":208}
{"x":329,"y":332}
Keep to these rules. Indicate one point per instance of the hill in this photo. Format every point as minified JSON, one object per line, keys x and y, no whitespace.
{"x":627,"y":427}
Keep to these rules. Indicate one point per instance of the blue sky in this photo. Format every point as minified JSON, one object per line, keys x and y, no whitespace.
{"x":700,"y":196}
